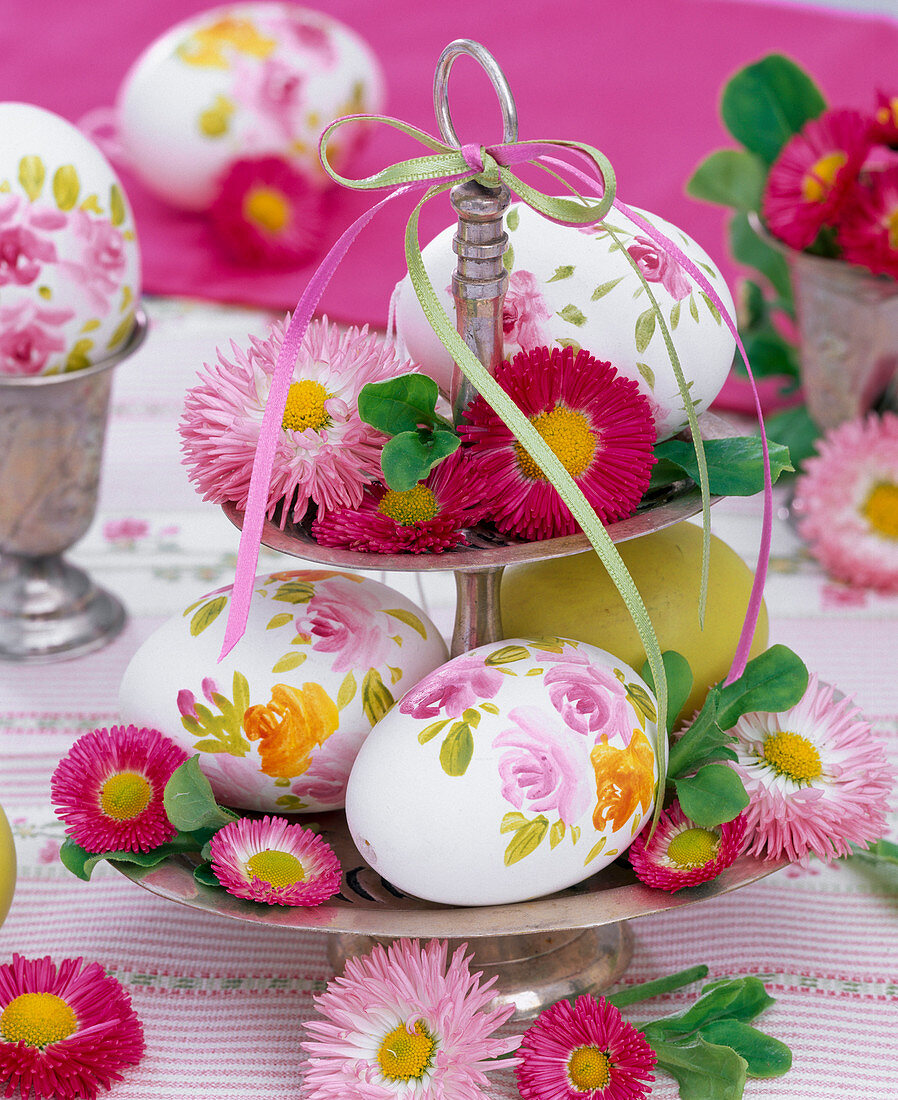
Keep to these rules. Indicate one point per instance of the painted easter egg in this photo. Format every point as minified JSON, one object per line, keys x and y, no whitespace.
{"x":7,"y":866}
{"x":515,"y":770}
{"x":576,"y":597}
{"x":243,"y":81}
{"x":69,"y":259}
{"x":277,"y":723}
{"x":570,"y":286}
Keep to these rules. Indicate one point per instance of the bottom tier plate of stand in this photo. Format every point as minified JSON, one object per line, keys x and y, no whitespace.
{"x":575,"y":941}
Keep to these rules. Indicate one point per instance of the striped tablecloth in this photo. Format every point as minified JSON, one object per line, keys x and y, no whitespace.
{"x":222,"y":1003}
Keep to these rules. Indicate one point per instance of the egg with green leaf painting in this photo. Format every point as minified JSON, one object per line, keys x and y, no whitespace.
{"x":69,"y":258}
{"x":278,"y":722}
{"x":517,"y":769}
{"x":581,"y":287}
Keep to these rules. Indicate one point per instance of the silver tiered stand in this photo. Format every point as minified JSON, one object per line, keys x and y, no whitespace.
{"x":577,"y":940}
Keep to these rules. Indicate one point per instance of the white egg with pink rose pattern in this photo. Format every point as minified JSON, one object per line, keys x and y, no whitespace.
{"x":571,"y":286}
{"x":278,"y":722}
{"x":515,"y":770}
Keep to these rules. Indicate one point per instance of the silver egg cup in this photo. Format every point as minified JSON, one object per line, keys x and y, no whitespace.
{"x":52,"y":429}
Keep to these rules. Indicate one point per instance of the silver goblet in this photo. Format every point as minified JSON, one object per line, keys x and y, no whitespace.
{"x":52,"y":429}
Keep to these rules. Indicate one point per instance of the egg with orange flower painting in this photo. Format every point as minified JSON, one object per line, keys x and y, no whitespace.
{"x":277,"y":723}
{"x":514,"y":770}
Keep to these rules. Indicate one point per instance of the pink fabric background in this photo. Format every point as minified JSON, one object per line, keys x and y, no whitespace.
{"x":640,"y":80}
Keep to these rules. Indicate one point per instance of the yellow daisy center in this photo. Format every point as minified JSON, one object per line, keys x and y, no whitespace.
{"x":266,"y":208}
{"x":887,"y":115}
{"x":881,"y":507}
{"x":305,"y":406}
{"x":404,"y":1055}
{"x":410,"y":506}
{"x":818,"y":180}
{"x":276,"y":868}
{"x":693,"y":848}
{"x":37,"y":1019}
{"x":793,"y":755}
{"x":125,"y":795}
{"x":571,"y":438}
{"x":589,"y":1068}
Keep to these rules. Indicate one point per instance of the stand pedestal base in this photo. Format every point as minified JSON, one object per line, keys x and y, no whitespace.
{"x":50,"y":610}
{"x":532,"y":971}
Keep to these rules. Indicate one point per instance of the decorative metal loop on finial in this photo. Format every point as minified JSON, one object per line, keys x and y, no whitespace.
{"x":491,"y":67}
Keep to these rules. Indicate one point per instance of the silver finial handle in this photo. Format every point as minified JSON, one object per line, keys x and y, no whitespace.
{"x":490,"y":66}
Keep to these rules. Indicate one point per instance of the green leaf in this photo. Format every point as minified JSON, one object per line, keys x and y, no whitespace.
{"x":727,"y":998}
{"x":556,"y":833}
{"x":768,"y":102}
{"x":346,"y":691}
{"x":605,"y":288}
{"x":704,"y":1071}
{"x":279,"y":620}
{"x":647,"y":373}
{"x":753,"y":251}
{"x":512,"y":821}
{"x":81,"y":862}
{"x":189,"y":801}
{"x":882,"y":851}
{"x":594,"y":850}
{"x":429,"y":732}
{"x":66,"y":186}
{"x":526,"y":839}
{"x":207,"y":614}
{"x":409,"y":457}
{"x":117,"y":209}
{"x":774,"y":680}
{"x":645,"y":329}
{"x":795,"y":429}
{"x":642,"y":702}
{"x":735,"y":466}
{"x":513,"y":218}
{"x":457,"y":749}
{"x":729,"y":177}
{"x":409,"y":618}
{"x":764,"y":1055}
{"x":675,"y":315}
{"x":508,"y":259}
{"x":713,"y":795}
{"x":703,"y":742}
{"x":679,"y":683}
{"x":771,"y":357}
{"x":507,"y":655}
{"x":563,"y":272}
{"x":571,"y":314}
{"x":204,"y":875}
{"x":655,"y":988}
{"x":376,"y":696}
{"x":32,"y":175}
{"x":400,"y":404}
{"x":288,"y":662}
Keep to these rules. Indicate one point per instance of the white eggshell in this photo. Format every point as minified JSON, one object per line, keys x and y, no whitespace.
{"x":515,"y":770}
{"x":573,"y":286}
{"x":245,"y":80}
{"x":279,"y":721}
{"x":69,"y":260}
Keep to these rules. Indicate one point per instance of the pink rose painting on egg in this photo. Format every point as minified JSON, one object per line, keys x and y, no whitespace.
{"x":344,"y":618}
{"x":658,"y":267}
{"x":524,"y":312}
{"x":100,"y":268}
{"x":589,"y":699}
{"x":23,"y":248}
{"x":464,"y":682}
{"x":544,"y":765}
{"x":29,"y":335}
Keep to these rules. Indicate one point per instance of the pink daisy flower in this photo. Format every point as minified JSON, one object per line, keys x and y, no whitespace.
{"x":584,"y":1050}
{"x":429,"y":517}
{"x":267,"y":213}
{"x":597,"y":423}
{"x":868,"y":233}
{"x":108,"y":789}
{"x":817,"y":778}
{"x":681,"y":853}
{"x":64,"y":1030}
{"x":808,"y":182}
{"x":846,"y":501}
{"x":325,"y":453}
{"x":275,"y":862}
{"x":402,"y":1022}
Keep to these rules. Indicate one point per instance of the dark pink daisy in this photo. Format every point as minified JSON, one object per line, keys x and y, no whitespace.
{"x":681,"y":853}
{"x":267,"y":213}
{"x":810,"y":178}
{"x":597,"y":423}
{"x":108,"y":789}
{"x":275,"y":862}
{"x":885,"y":119}
{"x":868,"y":233}
{"x":584,"y":1051}
{"x":427,"y":518}
{"x":64,"y":1031}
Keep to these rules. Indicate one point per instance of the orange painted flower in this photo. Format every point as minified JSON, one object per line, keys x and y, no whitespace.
{"x":289,"y":727}
{"x":625,"y":780}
